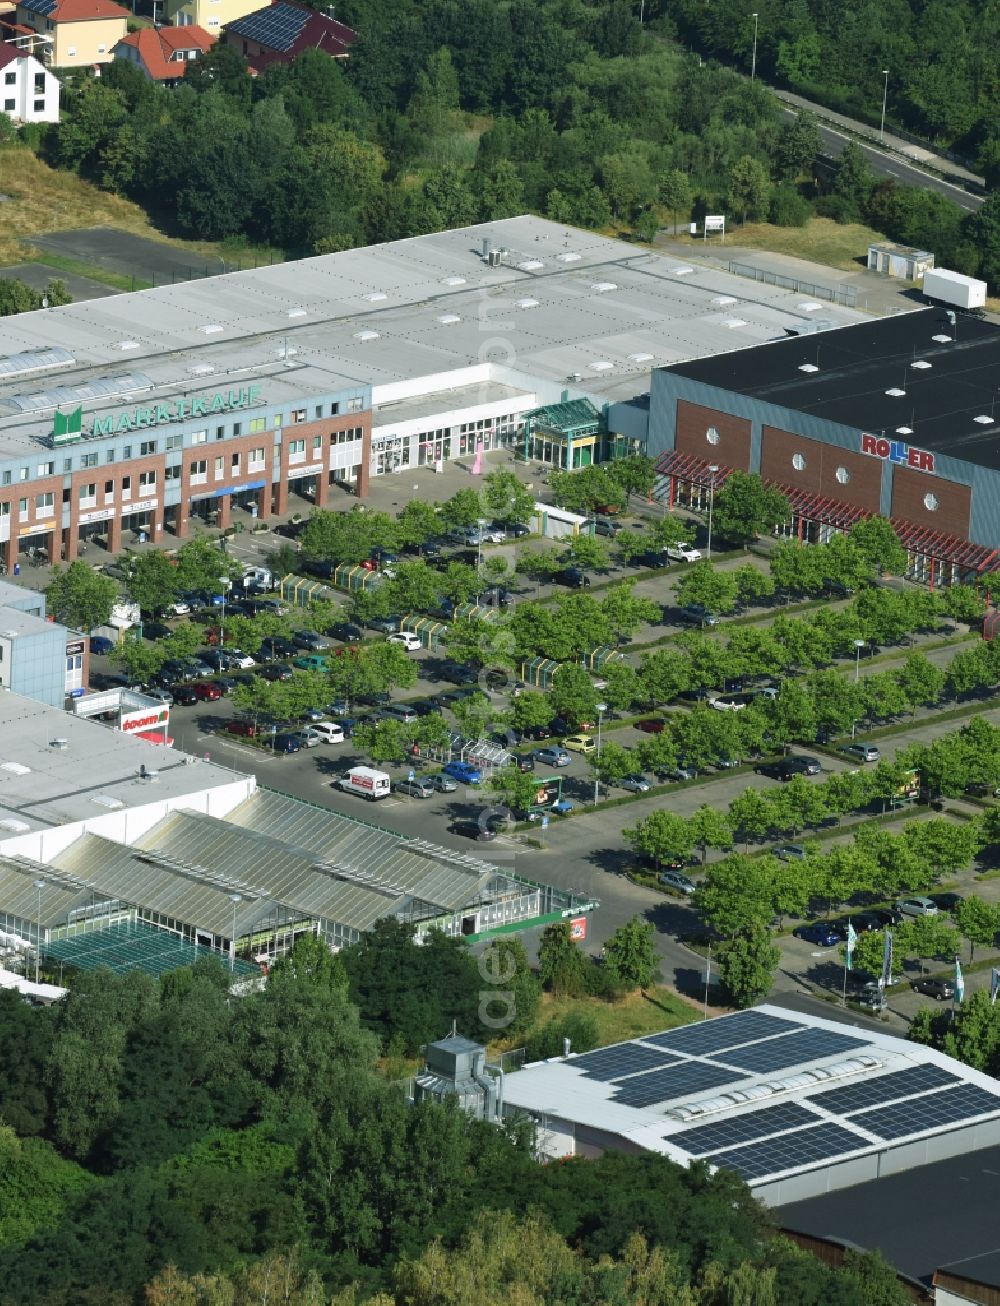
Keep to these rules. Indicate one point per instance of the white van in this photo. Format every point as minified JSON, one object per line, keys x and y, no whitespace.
{"x":330,"y":732}
{"x":365,"y":781}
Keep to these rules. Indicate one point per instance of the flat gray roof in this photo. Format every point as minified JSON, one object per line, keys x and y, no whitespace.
{"x":56,"y":769}
{"x":564,"y":303}
{"x":444,"y":401}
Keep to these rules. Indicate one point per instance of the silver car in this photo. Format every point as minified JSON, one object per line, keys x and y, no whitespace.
{"x":443,"y":784}
{"x":636,"y":784}
{"x":417,"y":788}
{"x":863,"y":752}
{"x":677,"y":880}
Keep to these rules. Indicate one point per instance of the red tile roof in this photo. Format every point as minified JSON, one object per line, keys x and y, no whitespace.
{"x":283,"y":29}
{"x":155,"y":46}
{"x":73,"y":11}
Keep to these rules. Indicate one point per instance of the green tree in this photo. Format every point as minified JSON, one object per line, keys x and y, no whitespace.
{"x":588,"y":551}
{"x":752,"y":585}
{"x":80,"y":597}
{"x":945,"y":847}
{"x":630,"y":956}
{"x":745,"y":507}
{"x":505,"y":498}
{"x":561,"y":964}
{"x":705,"y":584}
{"x":626,"y":611}
{"x":138,"y":659}
{"x":753,"y":815}
{"x":978,"y":923}
{"x":153,"y":581}
{"x":710,"y":828}
{"x":462,"y":509}
{"x":531,"y":709}
{"x":921,"y":681}
{"x":417,"y":523}
{"x":201,"y":564}
{"x":853,"y":180}
{"x":877,"y":542}
{"x":663,"y":836}
{"x":518,"y":789}
{"x":747,"y":963}
{"x":573,"y":695}
{"x":510,"y":1002}
{"x":675,"y":193}
{"x":749,"y":188}
{"x":735,"y":894}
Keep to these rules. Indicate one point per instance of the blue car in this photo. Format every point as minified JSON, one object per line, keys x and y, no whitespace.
{"x":821,"y":933}
{"x":286,"y":743}
{"x":464,"y":772}
{"x":101,"y":644}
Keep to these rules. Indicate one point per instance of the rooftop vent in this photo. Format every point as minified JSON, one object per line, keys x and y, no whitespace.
{"x":376,"y":296}
{"x":942,"y":339}
{"x":10,"y":826}
{"x":808,"y":367}
{"x":904,"y":430}
{"x":15,"y":768}
{"x":527,"y":303}
{"x":531,"y":265}
{"x":568,"y":257}
{"x":366,"y":335}
{"x":984,"y":419}
{"x":105,"y":800}
{"x":723,"y":300}
{"x":922,"y":364}
{"x":895,"y":392}
{"x":212,"y":329}
{"x":688,"y":1111}
{"x":602,"y":287}
{"x":732,"y":322}
{"x":296,"y":312}
{"x":123,"y":345}
{"x":640,"y":358}
{"x":683,"y":271}
{"x":601,"y":365}
{"x":449,"y":319}
{"x":810,"y":306}
{"x":201,"y":369}
{"x":60,"y":744}
{"x":453,"y":281}
{"x":146,"y":774}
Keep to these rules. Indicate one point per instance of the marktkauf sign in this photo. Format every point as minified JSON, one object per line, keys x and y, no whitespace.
{"x":68,"y":427}
{"x":895,"y":451}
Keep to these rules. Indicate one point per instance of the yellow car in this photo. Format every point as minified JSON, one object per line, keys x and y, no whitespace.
{"x":580,"y":744}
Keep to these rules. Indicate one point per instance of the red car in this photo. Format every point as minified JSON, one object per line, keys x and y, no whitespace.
{"x":206,"y":692}
{"x":245,"y":728}
{"x":651,"y":726}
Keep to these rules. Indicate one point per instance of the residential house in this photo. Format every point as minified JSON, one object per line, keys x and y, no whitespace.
{"x":82,"y":32}
{"x":283,"y":30}
{"x":30,"y":93}
{"x":164,"y":53}
{"x":212,"y":15}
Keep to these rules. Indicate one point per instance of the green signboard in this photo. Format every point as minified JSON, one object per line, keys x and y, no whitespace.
{"x":68,"y":427}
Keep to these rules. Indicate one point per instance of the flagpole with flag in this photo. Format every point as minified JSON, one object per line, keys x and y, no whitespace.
{"x":994,"y":985}
{"x":959,"y":983}
{"x":852,"y":938}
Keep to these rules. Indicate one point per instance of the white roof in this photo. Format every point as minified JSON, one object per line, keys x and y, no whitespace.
{"x":765,"y":1092}
{"x":563,"y":303}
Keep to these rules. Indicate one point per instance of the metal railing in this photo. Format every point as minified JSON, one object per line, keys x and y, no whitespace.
{"x":845,"y":295}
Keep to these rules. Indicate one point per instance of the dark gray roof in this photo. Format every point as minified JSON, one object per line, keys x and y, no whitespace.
{"x":938,"y":1215}
{"x":858,"y":364}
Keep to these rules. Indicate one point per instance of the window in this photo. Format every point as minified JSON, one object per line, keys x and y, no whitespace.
{"x":126,"y":452}
{"x":296,"y":451}
{"x":219,"y":468}
{"x":317,"y":443}
{"x":109,"y":489}
{"x":298,"y":414}
{"x":712,"y":435}
{"x":931,"y":502}
{"x":220,"y":432}
{"x":45,"y":505}
{"x":237,"y":428}
{"x":199,"y":437}
{"x":279,"y":421}
{"x":234,"y":462}
{"x":799,"y":462}
{"x":39,"y":106}
{"x":87,"y":495}
{"x":174,"y":442}
{"x":199,"y":472}
{"x":256,"y":459}
{"x":6,"y":478}
{"x":318,"y":412}
{"x":109,"y":456}
{"x":334,"y":409}
{"x":146,"y":448}
{"x":9,"y":106}
{"x":39,"y":83}
{"x":842,"y":475}
{"x":147,"y":481}
{"x":355,"y":405}
{"x":126,"y":487}
{"x":45,"y":469}
{"x":22,"y":509}
{"x":257,"y":424}
{"x":24,"y":474}
{"x":89,"y":460}
{"x":9,"y":79}
{"x":4,"y":509}
{"x":172,"y":473}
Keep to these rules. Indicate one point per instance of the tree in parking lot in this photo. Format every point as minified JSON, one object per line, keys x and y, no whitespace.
{"x":708,"y":659}
{"x":626,"y":611}
{"x":926,"y":937}
{"x":663,"y":836}
{"x":347,"y":537}
{"x":80,"y":597}
{"x":613,"y":763}
{"x":752,"y":651}
{"x":138,"y":658}
{"x":635,"y":474}
{"x":261,"y":701}
{"x":245,"y":633}
{"x":710,"y":828}
{"x":518,"y":789}
{"x":562,"y":964}
{"x":882,"y":697}
{"x":791,"y":717}
{"x":382,"y":741}
{"x":657,"y":753}
{"x":153,"y":580}
{"x":747,"y":963}
{"x":670,"y":529}
{"x":843,"y":872}
{"x":801,"y":803}
{"x":663,"y":675}
{"x":468,"y":641}
{"x":539,"y":564}
{"x":573,"y":695}
{"x":735,"y":894}
{"x":201,"y":564}
{"x":753,"y":816}
{"x":629,"y":545}
{"x":703,"y":583}
{"x":622,"y":687}
{"x":505,"y":498}
{"x":793,"y":884}
{"x":320,"y":615}
{"x":428,"y":733}
{"x":184,"y":640}
{"x":475,"y":715}
{"x":630,"y":955}
{"x":584,"y":490}
{"x":745,"y":507}
{"x":962,"y":603}
{"x":417,"y":523}
{"x":795,"y":567}
{"x":921,"y":681}
{"x":944,"y":846}
{"x":459,"y":582}
{"x":837,"y":701}
{"x":464,"y":508}
{"x":752,"y":585}
{"x":587,"y":551}
{"x":978,"y":923}
{"x":894,"y":868}
{"x":971,"y":669}
{"x":369,"y":604}
{"x":868,"y":952}
{"x":531,"y":709}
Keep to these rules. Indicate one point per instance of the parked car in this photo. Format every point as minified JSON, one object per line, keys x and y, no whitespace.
{"x":308,"y":640}
{"x":206,"y":691}
{"x":515,"y":530}
{"x":496,"y":596}
{"x":386,"y":625}
{"x":652,"y":559}
{"x":310,"y":662}
{"x":604,"y":526}
{"x":184,"y":695}
{"x":240,"y":659}
{"x":865,"y":922}
{"x":425,"y":707}
{"x":821,"y":933}
{"x":946,"y":901}
{"x":651,"y":725}
{"x":101,"y":645}
{"x":277,"y":646}
{"x":523,"y":761}
{"x":917,"y":906}
{"x":789,"y":766}
{"x":485,"y":833}
{"x":491,"y":533}
{"x":677,"y":880}
{"x":347,"y":632}
{"x":574,"y":577}
{"x":442,"y":784}
{"x":402,"y":712}
{"x":284,"y":742}
{"x":248,"y":729}
{"x":464,"y":772}
{"x":330,"y":732}
{"x":731,"y":702}
{"x":682,"y":552}
{"x":580,"y":744}
{"x":155,"y":630}
{"x":179,"y":608}
{"x":698,"y":615}
{"x":940,"y":989}
{"x":459,"y":673}
{"x":862,"y":752}
{"x":536,"y":733}
{"x":553,"y":756}
{"x":310,"y":737}
{"x":682,"y":772}
{"x":635,"y":784}
{"x":418,"y":787}
{"x":407,"y":639}
{"x":276,"y":672}
{"x":886,"y":916}
{"x":791,"y":852}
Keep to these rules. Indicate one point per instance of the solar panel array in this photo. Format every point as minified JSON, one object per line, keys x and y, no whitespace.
{"x":277,"y":27}
{"x":725,"y":1032}
{"x":620,"y":1060}
{"x":775,"y":1054}
{"x":886,"y":1088}
{"x":790,"y":1151}
{"x":932,"y":1111}
{"x":674,"y":1081}
{"x":735,"y":1130}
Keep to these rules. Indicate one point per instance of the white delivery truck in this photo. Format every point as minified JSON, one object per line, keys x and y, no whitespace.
{"x":366,"y":782}
{"x":951,"y":288}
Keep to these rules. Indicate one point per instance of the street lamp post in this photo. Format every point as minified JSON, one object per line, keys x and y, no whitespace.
{"x":235,"y":899}
{"x":858,"y":646}
{"x":225,"y":582}
{"x":601,"y":709}
{"x":885,"y":96}
{"x":713,"y":468}
{"x":39,"y":885}
{"x":753,"y":63}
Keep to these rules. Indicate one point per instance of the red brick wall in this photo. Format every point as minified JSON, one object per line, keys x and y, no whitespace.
{"x":954,"y":501}
{"x":819,"y":476}
{"x":733,"y":449}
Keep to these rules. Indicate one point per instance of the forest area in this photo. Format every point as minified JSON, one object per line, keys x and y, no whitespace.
{"x":451,"y":113}
{"x":165,"y":1144}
